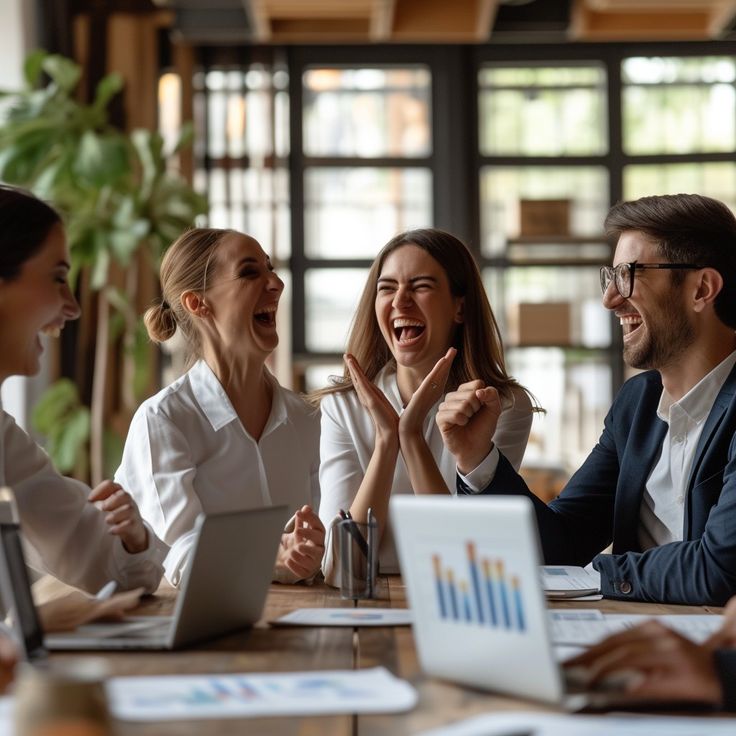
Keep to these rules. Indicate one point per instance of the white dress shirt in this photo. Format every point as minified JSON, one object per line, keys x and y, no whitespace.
{"x":346,"y":447}
{"x":64,"y":534}
{"x":663,"y":505}
{"x":187,"y":452}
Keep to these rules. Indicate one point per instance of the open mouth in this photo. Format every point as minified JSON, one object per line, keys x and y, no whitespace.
{"x":630,"y":323}
{"x":266,"y":316}
{"x":407,"y":330}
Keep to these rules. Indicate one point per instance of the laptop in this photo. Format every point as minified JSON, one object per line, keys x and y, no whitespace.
{"x":472,"y":572}
{"x":223,"y":588}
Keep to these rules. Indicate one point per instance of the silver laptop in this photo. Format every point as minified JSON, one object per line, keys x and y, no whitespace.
{"x":472,"y":572}
{"x":223,"y":588}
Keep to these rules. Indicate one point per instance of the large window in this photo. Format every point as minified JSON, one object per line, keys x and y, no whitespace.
{"x":520,"y":151}
{"x":366,"y":147}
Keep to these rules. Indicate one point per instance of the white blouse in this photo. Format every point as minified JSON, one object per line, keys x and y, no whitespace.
{"x":187,"y":452}
{"x":346,"y":447}
{"x":64,"y":534}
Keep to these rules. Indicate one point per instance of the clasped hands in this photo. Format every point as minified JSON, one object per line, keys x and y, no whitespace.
{"x":466,"y":418}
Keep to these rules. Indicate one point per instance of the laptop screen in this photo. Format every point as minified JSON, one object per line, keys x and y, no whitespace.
{"x":16,"y":590}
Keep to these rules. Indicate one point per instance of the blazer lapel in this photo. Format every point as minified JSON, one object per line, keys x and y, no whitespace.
{"x":643,"y":449}
{"x":722,"y":402}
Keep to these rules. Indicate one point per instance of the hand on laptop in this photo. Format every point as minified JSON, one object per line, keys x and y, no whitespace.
{"x":467,"y":419}
{"x":302,"y":545}
{"x":121,"y":514}
{"x":75,"y":608}
{"x":658,"y":663}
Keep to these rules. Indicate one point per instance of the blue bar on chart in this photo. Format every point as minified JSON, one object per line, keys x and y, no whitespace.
{"x":485,"y":595}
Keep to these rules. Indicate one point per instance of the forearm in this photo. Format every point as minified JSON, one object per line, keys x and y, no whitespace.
{"x":375,"y":489}
{"x":424,"y":474}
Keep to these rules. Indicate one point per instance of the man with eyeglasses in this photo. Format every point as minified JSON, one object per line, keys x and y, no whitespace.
{"x":660,"y":485}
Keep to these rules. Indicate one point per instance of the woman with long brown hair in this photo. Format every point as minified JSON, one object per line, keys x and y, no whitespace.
{"x":423,"y":327}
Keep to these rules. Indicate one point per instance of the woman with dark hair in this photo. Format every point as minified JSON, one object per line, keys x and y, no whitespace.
{"x":68,"y":527}
{"x":423,"y":326}
{"x":224,"y":436}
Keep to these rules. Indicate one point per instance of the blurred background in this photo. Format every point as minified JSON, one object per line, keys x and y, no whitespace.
{"x":323,"y":127}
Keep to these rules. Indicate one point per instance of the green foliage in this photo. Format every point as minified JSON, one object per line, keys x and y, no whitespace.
{"x":115,"y":191}
{"x":62,"y":418}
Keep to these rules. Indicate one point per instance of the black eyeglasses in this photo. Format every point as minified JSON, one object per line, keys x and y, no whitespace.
{"x":623,"y":274}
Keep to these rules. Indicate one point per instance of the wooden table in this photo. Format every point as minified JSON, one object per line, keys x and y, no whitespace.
{"x":266,"y":649}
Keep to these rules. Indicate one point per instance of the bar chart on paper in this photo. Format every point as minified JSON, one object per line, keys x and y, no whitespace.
{"x":477,"y":589}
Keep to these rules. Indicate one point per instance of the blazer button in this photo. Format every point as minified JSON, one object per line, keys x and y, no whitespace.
{"x":624,"y":587}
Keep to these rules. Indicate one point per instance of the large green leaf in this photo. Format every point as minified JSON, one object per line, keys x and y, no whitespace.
{"x":107,"y":88}
{"x":33,"y":66}
{"x":63,"y":71}
{"x":101,"y":159}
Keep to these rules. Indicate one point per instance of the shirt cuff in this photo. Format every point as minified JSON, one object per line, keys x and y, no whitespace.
{"x":140,"y":569}
{"x":478,"y":478}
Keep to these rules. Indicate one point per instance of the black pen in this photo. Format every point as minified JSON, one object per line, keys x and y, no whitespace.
{"x":354,"y":531}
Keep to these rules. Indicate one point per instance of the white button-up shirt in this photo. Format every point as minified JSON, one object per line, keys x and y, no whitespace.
{"x":65,"y":534}
{"x":663,"y":505}
{"x":346,"y":447}
{"x":187,"y":452}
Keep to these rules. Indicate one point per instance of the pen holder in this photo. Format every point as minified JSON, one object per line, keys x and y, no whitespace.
{"x":62,"y":698}
{"x":358,"y":558}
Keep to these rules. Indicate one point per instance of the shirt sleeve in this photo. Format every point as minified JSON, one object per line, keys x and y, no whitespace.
{"x":340,"y":475}
{"x":67,"y":533}
{"x":159,"y":471}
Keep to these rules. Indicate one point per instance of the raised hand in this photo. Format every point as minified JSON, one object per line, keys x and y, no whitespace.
{"x":424,"y":398}
{"x":384,"y":416}
{"x":467,"y":419}
{"x":121,"y":515}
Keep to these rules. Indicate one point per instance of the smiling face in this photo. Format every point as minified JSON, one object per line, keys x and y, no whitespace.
{"x":655,"y":323}
{"x":37,"y":301}
{"x":416,"y":312}
{"x":244,"y":296}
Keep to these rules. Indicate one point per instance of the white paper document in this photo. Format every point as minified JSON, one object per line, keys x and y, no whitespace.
{"x":346,"y":617}
{"x":568,"y":581}
{"x":581,"y":627}
{"x":551,"y":724}
{"x":249,"y":695}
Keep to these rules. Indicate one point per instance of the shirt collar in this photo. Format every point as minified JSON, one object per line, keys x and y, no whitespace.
{"x":215,"y":403}
{"x":698,"y":401}
{"x":386,"y":380}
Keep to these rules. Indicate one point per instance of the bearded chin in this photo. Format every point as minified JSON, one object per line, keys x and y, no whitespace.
{"x":663,"y":349}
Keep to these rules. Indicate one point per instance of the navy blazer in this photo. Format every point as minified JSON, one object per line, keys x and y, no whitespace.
{"x":601,"y":504}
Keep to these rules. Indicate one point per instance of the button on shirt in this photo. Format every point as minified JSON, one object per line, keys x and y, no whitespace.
{"x":187,"y":452}
{"x":663,"y":505}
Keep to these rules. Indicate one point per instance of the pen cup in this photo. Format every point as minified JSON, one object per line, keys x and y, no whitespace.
{"x":358,"y":558}
{"x":62,"y":698}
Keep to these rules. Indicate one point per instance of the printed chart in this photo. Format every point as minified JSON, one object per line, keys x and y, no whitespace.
{"x":480,"y":590}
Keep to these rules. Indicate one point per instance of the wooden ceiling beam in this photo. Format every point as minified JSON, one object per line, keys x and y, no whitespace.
{"x":637,"y":20}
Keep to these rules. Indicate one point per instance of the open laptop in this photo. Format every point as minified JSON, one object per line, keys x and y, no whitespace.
{"x":472,"y":571}
{"x":223,"y":588}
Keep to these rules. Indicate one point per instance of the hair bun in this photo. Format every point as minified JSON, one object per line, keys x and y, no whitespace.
{"x":160,"y":322}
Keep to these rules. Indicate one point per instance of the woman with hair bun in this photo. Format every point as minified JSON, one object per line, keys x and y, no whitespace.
{"x":68,"y":535}
{"x":224,"y":436}
{"x":423,"y":326}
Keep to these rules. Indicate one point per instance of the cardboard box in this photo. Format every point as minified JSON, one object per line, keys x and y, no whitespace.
{"x":545,"y":323}
{"x":540,"y":217}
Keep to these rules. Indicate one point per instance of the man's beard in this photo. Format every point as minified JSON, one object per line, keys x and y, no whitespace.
{"x":664,"y":343}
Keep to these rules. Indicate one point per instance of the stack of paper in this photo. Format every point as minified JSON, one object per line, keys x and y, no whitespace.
{"x":550,"y":724}
{"x":249,"y":695}
{"x":586,"y":627}
{"x":567,"y":581}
